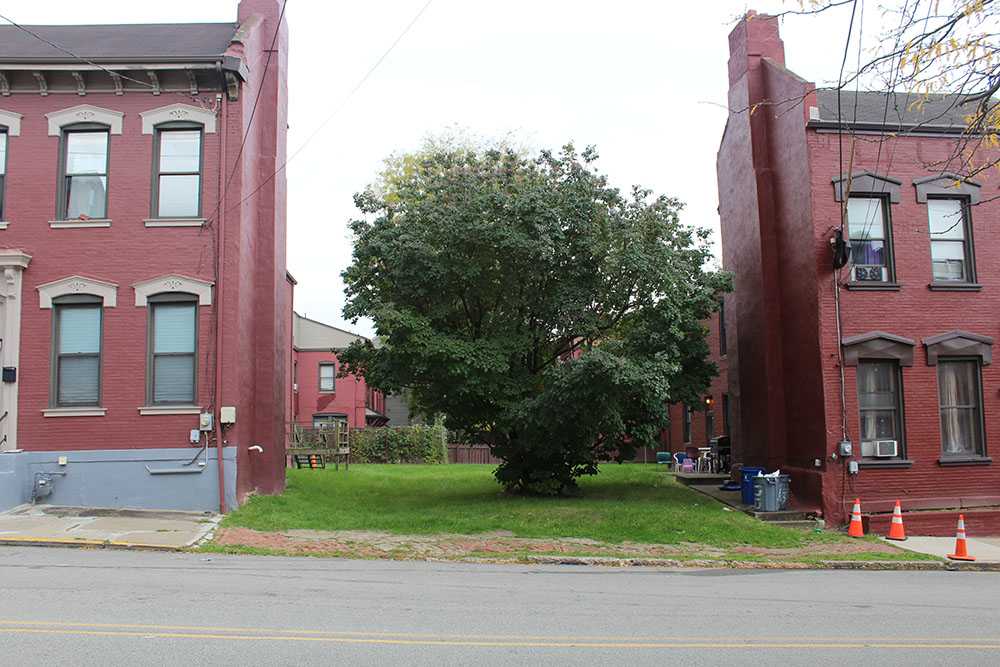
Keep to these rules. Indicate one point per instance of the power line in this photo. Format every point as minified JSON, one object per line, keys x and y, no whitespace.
{"x":343,"y":104}
{"x":73,"y":55}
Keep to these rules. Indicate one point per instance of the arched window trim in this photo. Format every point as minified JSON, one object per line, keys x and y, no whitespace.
{"x":153,"y":118}
{"x":85,"y":113}
{"x":107,"y":292}
{"x":173,"y":284}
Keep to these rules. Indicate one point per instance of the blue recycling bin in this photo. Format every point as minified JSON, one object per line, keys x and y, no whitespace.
{"x":747,"y":473}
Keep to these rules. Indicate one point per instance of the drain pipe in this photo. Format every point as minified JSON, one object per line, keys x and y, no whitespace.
{"x":220,"y":229}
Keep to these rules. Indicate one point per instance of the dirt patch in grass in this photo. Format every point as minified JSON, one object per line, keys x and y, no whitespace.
{"x":501,"y":546}
{"x":825,"y":549}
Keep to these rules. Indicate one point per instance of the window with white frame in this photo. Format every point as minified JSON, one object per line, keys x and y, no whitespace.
{"x":327,"y":377}
{"x":951,"y":250}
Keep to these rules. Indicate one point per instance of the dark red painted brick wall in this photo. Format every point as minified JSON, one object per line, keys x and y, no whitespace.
{"x":256,"y":299}
{"x":778,"y":211}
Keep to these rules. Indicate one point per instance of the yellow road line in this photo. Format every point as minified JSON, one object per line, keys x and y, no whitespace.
{"x":505,"y":644}
{"x":444,"y":636}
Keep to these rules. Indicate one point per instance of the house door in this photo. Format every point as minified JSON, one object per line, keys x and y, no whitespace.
{"x":12,"y":265}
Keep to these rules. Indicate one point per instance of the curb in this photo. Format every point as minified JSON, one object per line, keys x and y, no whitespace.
{"x":874,"y":565}
{"x":83,"y":544}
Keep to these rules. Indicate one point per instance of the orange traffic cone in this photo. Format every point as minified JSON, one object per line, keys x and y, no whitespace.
{"x":856,"y":529}
{"x":961,"y":548}
{"x":896,"y":530}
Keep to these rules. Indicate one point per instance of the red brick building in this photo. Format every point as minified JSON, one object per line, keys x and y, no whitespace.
{"x":903,"y":371}
{"x":694,"y":426}
{"x":142,"y":242}
{"x":319,"y":397}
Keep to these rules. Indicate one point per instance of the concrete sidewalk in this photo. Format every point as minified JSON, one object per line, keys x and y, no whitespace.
{"x":79,"y":526}
{"x":984,"y":549}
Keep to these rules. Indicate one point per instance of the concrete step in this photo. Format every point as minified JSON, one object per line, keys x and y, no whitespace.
{"x":701,"y":478}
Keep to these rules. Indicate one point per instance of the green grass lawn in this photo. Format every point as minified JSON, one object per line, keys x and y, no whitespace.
{"x":637,"y":503}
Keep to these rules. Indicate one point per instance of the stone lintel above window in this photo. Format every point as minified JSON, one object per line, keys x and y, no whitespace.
{"x":106,"y":291}
{"x":878,"y":345}
{"x":867,"y":183}
{"x":946,"y":185}
{"x":958,"y":343}
{"x":84,"y":113}
{"x":11,"y":121}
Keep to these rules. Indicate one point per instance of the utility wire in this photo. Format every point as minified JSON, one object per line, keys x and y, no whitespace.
{"x":73,"y":55}
{"x":361,"y":82}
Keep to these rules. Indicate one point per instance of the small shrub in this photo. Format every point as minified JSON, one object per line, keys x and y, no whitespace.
{"x":401,"y":444}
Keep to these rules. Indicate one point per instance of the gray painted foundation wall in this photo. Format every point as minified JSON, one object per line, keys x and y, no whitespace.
{"x":121,"y":478}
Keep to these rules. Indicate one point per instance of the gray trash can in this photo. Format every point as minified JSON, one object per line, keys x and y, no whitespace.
{"x":770,"y":494}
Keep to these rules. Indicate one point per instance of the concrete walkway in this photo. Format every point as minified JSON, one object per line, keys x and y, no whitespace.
{"x":78,"y":526}
{"x":984,"y":549}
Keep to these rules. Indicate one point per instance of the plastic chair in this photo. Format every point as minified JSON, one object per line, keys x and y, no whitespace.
{"x":679,"y":459}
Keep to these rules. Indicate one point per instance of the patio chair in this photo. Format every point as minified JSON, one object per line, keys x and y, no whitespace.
{"x":679,"y":460}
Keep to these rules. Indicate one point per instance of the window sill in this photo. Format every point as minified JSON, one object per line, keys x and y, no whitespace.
{"x":174,"y":222}
{"x":886,"y":463}
{"x":83,"y":411}
{"x":954,"y":287}
{"x":873,"y":287}
{"x":327,"y":392}
{"x":79,"y":224}
{"x":170,"y":410}
{"x":965,"y":461}
{"x":3,"y":224}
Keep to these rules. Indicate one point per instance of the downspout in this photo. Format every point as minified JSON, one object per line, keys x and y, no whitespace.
{"x":219,"y":319}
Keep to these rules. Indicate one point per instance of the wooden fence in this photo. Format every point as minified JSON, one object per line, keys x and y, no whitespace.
{"x":471,"y":454}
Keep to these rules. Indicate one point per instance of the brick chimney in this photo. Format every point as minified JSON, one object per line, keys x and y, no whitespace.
{"x":755,"y":37}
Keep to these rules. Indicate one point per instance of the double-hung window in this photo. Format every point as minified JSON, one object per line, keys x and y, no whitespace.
{"x":177,"y":180}
{"x":961,"y":400}
{"x":951,"y":249}
{"x":327,"y":377}
{"x":76,"y":364}
{"x":686,"y":423}
{"x":173,"y":327}
{"x":3,"y":169}
{"x":84,"y":182}
{"x":871,"y":245}
{"x":880,"y":401}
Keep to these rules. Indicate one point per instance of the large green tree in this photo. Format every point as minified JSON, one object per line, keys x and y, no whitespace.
{"x":539,"y":309}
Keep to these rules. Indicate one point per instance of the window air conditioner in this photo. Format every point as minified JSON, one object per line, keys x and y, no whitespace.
{"x":886,"y":449}
{"x":870,"y":273}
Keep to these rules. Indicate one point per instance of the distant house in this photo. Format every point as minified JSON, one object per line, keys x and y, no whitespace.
{"x":693,"y":426}
{"x":319,"y":397}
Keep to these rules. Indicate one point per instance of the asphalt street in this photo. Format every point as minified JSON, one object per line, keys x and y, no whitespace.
{"x":98,"y":607}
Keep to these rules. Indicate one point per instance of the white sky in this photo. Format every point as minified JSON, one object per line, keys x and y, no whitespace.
{"x":643,"y":80}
